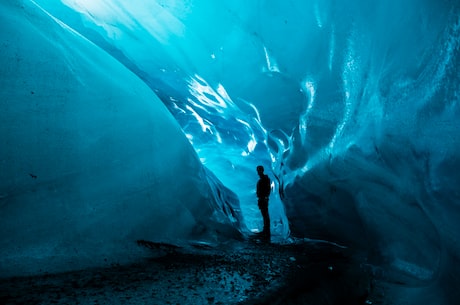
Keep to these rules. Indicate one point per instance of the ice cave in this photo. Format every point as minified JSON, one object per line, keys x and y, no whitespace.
{"x":145,"y":120}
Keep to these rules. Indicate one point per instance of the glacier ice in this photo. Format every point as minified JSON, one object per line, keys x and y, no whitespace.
{"x":353,"y":105}
{"x":91,"y":160}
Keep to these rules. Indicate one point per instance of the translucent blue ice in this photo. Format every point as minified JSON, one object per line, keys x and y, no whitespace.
{"x":352,"y":106}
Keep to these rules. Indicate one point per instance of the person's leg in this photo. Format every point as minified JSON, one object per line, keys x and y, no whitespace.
{"x":266,"y":218}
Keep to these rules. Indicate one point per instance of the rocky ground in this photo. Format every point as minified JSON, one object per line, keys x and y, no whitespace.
{"x":246,"y":273}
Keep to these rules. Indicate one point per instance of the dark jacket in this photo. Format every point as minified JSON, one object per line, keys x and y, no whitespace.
{"x":263,"y":187}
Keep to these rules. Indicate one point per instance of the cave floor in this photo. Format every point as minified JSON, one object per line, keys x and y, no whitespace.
{"x":246,"y":273}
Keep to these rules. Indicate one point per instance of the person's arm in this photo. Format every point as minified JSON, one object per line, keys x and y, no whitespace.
{"x":267,"y":186}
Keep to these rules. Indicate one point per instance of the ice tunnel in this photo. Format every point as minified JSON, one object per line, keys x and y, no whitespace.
{"x":124,"y":120}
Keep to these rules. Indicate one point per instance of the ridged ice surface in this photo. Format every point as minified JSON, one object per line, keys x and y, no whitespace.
{"x":353,"y":108}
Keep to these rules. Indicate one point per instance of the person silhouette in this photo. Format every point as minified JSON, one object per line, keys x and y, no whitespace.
{"x":263,"y":192}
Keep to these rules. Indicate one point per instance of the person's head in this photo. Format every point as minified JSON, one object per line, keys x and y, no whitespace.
{"x":260,"y":169}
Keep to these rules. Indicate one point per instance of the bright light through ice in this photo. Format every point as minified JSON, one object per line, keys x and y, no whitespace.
{"x":252,"y":142}
{"x":205,"y":94}
{"x":271,"y":63}
{"x":204,"y":127}
{"x":223,"y":93}
{"x":319,"y":22}
{"x":348,"y":75}
{"x":94,"y":6}
{"x":103,"y":14}
{"x":251,"y":145}
{"x":189,"y":137}
{"x":308,"y":86}
{"x":331,"y":49}
{"x":114,"y":17}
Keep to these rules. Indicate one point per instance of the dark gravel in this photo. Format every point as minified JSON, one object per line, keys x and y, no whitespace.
{"x":243,"y":273}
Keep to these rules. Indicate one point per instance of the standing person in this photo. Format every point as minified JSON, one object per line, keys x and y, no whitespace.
{"x":263,"y":192}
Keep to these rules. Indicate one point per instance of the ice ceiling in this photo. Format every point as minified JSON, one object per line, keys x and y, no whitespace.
{"x":125,"y":120}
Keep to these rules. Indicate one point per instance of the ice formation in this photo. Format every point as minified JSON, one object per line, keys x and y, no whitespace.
{"x":91,"y":160}
{"x":353,"y":105}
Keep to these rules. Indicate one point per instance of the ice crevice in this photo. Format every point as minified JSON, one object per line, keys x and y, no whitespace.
{"x":145,"y":120}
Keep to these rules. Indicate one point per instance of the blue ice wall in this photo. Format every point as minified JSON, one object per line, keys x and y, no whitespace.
{"x":90,"y":159}
{"x":353,"y":105}
{"x":157,"y":47}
